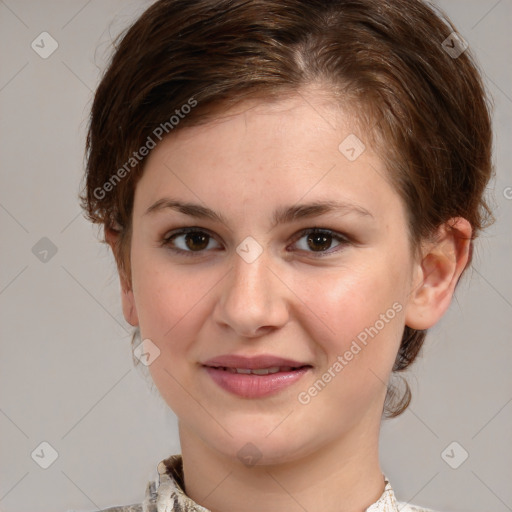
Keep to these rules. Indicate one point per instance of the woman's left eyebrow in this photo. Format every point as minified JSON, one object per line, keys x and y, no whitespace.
{"x":283,"y":215}
{"x":296,"y":212}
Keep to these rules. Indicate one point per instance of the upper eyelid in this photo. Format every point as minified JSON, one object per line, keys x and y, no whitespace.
{"x":185,"y":230}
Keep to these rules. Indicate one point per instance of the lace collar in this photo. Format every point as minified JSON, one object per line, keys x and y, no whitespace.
{"x":169,"y":496}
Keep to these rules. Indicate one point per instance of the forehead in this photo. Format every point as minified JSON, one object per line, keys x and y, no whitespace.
{"x":304,"y":146}
{"x":279,"y":132}
{"x":311,"y":106}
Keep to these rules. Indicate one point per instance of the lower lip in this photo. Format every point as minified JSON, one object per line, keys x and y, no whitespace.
{"x":254,"y":386}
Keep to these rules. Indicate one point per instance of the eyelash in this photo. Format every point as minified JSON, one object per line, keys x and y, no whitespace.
{"x":166,"y":241}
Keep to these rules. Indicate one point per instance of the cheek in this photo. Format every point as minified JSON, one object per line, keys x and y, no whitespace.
{"x":171,"y":309}
{"x":165,"y":294}
{"x":354,"y":299}
{"x":363,"y":310}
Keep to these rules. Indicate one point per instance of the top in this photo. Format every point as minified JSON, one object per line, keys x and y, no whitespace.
{"x":169,"y":495}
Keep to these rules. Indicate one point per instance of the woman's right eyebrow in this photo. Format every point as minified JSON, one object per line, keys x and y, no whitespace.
{"x":191,"y":209}
{"x":282,"y":215}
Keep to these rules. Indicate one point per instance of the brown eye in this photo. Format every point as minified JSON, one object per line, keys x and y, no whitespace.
{"x":188,"y":241}
{"x":197,"y":241}
{"x":320,"y":240}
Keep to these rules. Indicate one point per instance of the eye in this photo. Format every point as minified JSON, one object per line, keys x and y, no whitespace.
{"x":319,"y":240}
{"x":188,"y":241}
{"x":192,"y":241}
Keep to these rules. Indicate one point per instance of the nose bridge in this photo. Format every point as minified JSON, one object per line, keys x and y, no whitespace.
{"x":253,"y":296}
{"x":250,"y":284}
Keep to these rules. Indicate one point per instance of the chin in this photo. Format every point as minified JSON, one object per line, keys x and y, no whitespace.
{"x":255,"y":448}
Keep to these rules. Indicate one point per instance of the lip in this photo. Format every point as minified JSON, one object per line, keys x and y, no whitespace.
{"x":251,"y":385}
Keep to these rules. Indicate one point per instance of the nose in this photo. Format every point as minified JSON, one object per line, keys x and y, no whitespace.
{"x":253,"y":300}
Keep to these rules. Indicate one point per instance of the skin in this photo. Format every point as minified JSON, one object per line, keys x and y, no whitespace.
{"x":258,"y":157}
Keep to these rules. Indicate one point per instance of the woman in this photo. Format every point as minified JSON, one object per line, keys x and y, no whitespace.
{"x":291,"y":190}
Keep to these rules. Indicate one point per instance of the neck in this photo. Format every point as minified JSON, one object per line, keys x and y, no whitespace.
{"x":343,"y":476}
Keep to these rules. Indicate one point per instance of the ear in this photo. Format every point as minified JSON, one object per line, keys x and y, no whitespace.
{"x":112,"y":237}
{"x":436,"y":275}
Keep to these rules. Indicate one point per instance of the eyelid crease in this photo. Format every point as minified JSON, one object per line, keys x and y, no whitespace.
{"x":342,"y":238}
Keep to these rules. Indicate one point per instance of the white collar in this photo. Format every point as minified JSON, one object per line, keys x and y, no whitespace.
{"x":169,"y":496}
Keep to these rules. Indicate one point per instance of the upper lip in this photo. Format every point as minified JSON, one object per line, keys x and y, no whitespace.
{"x":252,"y":363}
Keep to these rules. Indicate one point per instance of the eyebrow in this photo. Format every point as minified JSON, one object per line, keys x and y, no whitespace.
{"x":282,"y":215}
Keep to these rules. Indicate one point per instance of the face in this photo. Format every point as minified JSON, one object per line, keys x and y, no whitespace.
{"x":319,"y":292}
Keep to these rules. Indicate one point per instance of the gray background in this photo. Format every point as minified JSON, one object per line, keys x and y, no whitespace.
{"x":66,"y":371}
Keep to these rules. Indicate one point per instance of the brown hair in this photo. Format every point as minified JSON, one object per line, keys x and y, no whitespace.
{"x":422,"y":102}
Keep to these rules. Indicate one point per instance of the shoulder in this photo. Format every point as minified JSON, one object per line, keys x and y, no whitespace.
{"x":407,"y":507}
{"x":148,"y":505}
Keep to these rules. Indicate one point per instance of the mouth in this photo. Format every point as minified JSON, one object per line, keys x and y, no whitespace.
{"x":254,"y":377}
{"x":259,"y":371}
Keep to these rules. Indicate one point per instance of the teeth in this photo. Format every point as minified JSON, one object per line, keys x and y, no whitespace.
{"x":260,"y":371}
{"x":265,"y":371}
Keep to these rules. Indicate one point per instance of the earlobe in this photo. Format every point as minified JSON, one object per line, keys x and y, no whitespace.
{"x":129,"y":309}
{"x":436,"y":275}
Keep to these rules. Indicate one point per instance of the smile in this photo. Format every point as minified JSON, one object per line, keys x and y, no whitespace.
{"x":255,"y":382}
{"x":258,"y":371}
